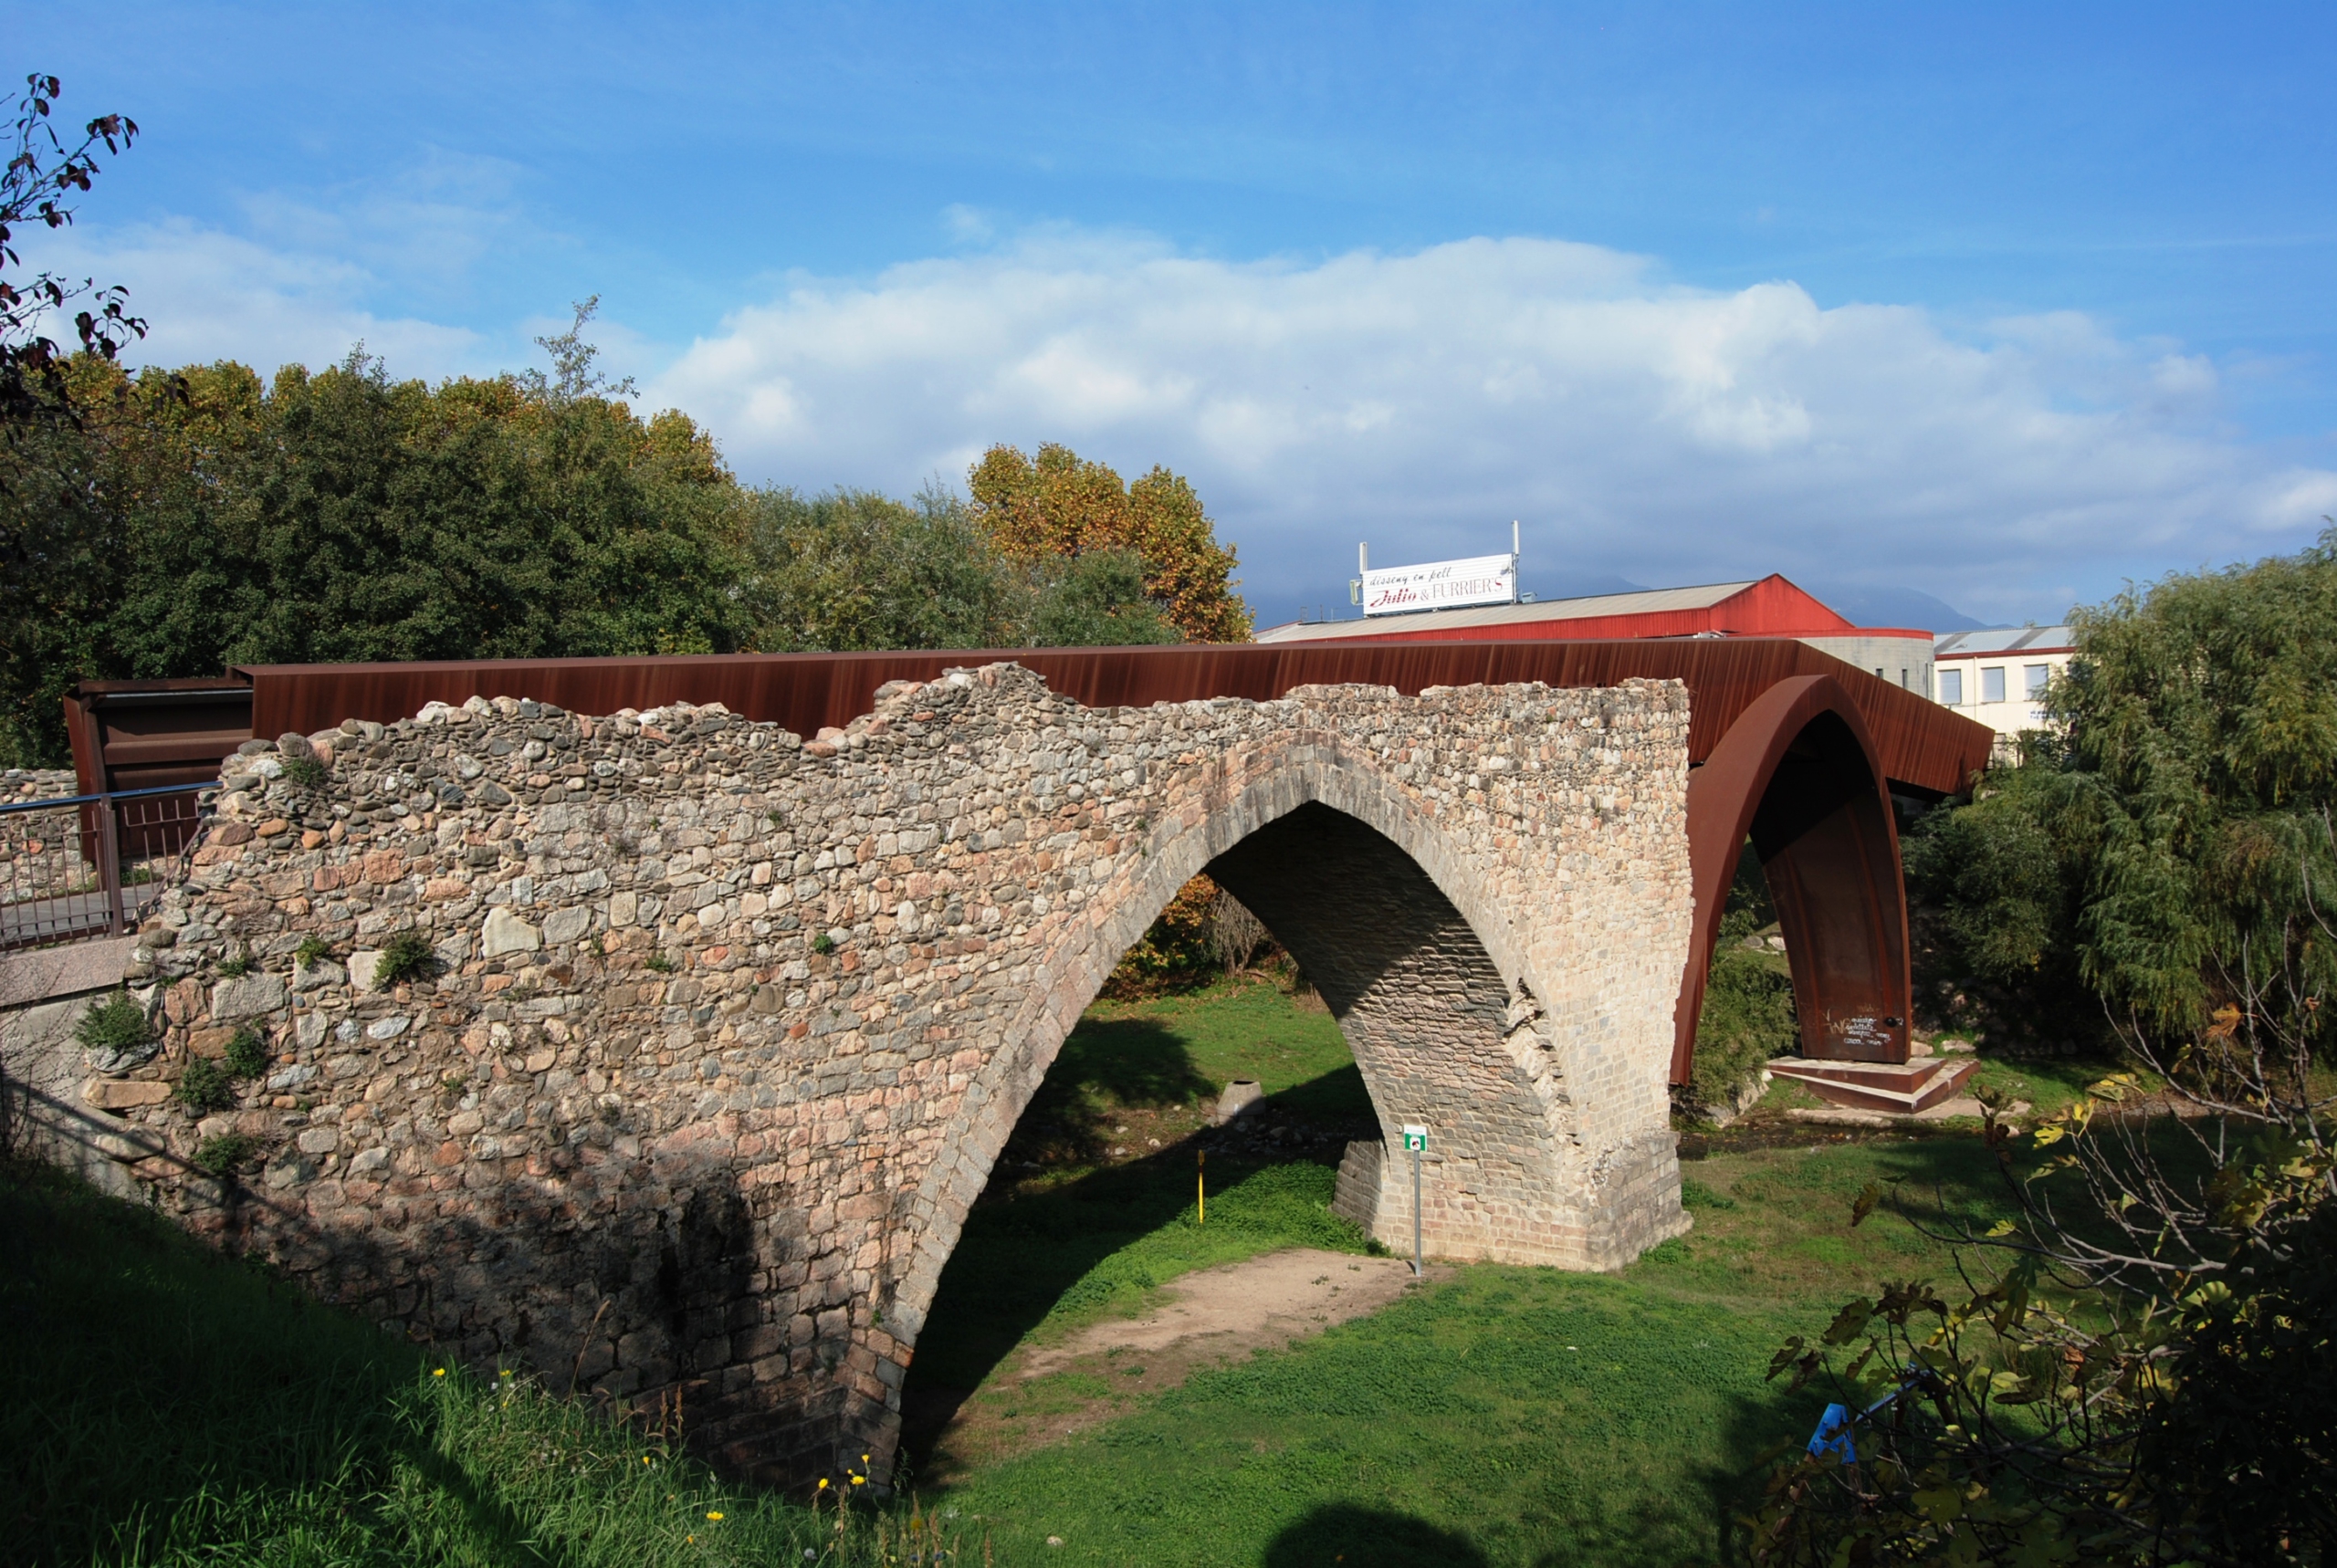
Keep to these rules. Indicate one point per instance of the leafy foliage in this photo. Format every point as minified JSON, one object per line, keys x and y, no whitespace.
{"x":118,"y":1025}
{"x":191,"y":520}
{"x":205,"y":1085}
{"x":226,"y":1153}
{"x":201,"y":518}
{"x":2137,"y":1366}
{"x":1058,"y":507}
{"x":1749,"y":1013}
{"x":2058,"y":1408}
{"x":1096,"y":601}
{"x":2006,"y":886}
{"x":1747,"y":1017}
{"x":1177,"y":952}
{"x":406,"y":956}
{"x":40,"y":178}
{"x":2164,"y":844}
{"x":2203,"y":716}
{"x":854,"y":570}
{"x":305,"y":773}
{"x":247,"y":1055}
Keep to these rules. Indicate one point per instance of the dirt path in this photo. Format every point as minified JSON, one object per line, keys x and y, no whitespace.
{"x":1043,"y":1393}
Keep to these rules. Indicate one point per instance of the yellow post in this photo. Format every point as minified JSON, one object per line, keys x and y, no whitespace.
{"x":1200,"y":1185}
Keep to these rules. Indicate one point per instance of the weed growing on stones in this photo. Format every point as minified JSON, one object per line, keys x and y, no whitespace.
{"x":312,"y":950}
{"x":406,"y":956}
{"x":204,"y":1086}
{"x":306,"y":773}
{"x":116,"y":1025}
{"x":226,"y":1153}
{"x":247,"y":1055}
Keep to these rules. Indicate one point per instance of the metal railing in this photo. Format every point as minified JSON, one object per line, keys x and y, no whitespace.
{"x":92,"y":865}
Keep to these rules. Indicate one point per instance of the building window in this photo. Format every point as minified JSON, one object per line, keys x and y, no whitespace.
{"x":1992,"y":685}
{"x":1951,"y":687}
{"x":2033,"y":678}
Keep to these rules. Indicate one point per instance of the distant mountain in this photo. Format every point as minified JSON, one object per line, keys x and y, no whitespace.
{"x":1905,"y":607}
{"x":1585,"y":586}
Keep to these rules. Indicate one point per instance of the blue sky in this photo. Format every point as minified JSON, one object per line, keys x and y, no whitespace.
{"x":2006,"y":305}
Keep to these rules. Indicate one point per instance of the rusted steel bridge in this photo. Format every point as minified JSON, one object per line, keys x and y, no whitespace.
{"x":1799,"y":751}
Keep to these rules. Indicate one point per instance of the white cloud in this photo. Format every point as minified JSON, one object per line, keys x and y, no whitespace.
{"x":210,"y":296}
{"x":1637,"y":429}
{"x":1421,"y":401}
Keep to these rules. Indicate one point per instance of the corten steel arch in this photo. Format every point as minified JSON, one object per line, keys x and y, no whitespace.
{"x":1797,"y":773}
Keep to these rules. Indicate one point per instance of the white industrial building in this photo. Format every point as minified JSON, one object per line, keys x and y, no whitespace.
{"x":2000,"y":677}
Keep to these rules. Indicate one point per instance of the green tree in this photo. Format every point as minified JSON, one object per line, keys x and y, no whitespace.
{"x":854,"y":569}
{"x":1096,"y":601}
{"x":343,"y":515}
{"x":2139,"y":1365}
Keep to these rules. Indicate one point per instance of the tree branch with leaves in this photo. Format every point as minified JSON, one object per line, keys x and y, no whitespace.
{"x":42,"y":177}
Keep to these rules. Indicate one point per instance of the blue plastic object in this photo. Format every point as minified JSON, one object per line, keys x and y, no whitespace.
{"x":1833,"y":1435}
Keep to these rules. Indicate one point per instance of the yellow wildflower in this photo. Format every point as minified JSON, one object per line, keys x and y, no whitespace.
{"x":717,"y":1517}
{"x":440,"y":1373}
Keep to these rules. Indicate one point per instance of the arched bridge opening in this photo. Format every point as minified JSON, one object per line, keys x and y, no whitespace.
{"x":1437,"y":1034}
{"x":1798,"y":775}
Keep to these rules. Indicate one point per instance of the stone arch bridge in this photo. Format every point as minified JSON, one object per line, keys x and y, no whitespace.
{"x":724,"y":1028}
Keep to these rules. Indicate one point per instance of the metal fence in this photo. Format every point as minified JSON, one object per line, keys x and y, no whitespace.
{"x":92,"y":865}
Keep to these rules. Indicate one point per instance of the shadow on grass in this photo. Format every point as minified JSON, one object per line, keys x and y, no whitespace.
{"x":1135,"y":1061}
{"x":1022,"y":1249}
{"x":1018,"y":1256}
{"x":140,"y":1370}
{"x":1105,"y":1064}
{"x":1337,"y":1100}
{"x":1343,"y":1533}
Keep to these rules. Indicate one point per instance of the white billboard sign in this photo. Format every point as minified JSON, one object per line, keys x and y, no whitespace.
{"x":1441,"y":585}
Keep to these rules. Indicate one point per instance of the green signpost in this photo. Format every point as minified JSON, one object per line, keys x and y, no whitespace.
{"x":1416,"y":1140}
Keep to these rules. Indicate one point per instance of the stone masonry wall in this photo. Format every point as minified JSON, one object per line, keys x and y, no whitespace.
{"x":721,"y":1030}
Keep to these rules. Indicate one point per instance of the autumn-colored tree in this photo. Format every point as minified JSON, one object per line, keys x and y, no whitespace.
{"x":1057,"y":505}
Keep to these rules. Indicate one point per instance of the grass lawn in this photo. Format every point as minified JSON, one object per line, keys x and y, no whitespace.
{"x":1512,"y":1416}
{"x":164,"y":1404}
{"x":160,"y":1404}
{"x":1457,"y":1425}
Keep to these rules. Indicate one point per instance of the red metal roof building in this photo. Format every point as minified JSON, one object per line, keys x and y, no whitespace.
{"x":1769,"y":607}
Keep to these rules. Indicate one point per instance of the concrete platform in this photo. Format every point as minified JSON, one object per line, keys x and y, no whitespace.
{"x":1894,"y":1087}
